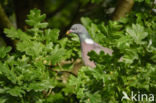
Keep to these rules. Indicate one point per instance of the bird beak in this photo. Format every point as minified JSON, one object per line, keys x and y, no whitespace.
{"x":68,"y":32}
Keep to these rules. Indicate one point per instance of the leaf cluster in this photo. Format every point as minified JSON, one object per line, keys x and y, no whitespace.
{"x":26,"y":75}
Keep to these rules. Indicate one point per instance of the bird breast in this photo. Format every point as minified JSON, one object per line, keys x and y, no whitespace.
{"x":85,"y":48}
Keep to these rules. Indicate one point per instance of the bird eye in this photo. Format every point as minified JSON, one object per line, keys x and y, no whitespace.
{"x":74,"y":28}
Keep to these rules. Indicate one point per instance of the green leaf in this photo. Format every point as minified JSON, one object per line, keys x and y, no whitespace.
{"x":16,"y":34}
{"x":30,"y":48}
{"x":96,"y":33}
{"x":3,"y":99}
{"x":130,"y":56}
{"x":16,"y":91}
{"x":94,"y":98}
{"x":86,"y":21}
{"x":11,"y":75}
{"x":124,"y":42}
{"x":35,"y":18}
{"x":51,"y":35}
{"x":4,"y":51}
{"x":56,"y":98}
{"x":137,"y":33}
{"x":57,"y":54}
{"x":12,"y":33}
{"x":63,"y":42}
{"x":40,"y":86}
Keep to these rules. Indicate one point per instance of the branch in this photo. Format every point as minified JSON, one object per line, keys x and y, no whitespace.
{"x":65,"y":71}
{"x":123,"y":7}
{"x":4,"y":20}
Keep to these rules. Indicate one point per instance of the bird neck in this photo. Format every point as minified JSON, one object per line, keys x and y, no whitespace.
{"x":86,"y":38}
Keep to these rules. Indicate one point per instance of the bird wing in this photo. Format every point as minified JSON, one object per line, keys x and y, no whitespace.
{"x":99,"y":48}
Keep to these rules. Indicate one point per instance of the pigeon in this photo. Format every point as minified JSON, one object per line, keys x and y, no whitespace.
{"x":87,"y":44}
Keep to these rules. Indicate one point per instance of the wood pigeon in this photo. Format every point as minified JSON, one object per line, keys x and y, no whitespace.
{"x":87,"y":44}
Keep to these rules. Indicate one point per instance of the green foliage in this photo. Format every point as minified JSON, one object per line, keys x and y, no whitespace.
{"x":27,"y":74}
{"x":137,"y":33}
{"x":131,"y":68}
{"x":4,"y":51}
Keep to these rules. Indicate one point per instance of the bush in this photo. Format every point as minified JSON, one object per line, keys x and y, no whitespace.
{"x":27,"y":75}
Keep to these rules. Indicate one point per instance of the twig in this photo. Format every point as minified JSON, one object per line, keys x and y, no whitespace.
{"x":49,"y":92}
{"x":66,"y":71}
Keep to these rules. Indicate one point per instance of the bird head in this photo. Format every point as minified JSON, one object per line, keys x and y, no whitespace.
{"x":78,"y":29}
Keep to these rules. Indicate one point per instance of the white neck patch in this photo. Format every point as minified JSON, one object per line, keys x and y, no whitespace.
{"x":89,"y":41}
